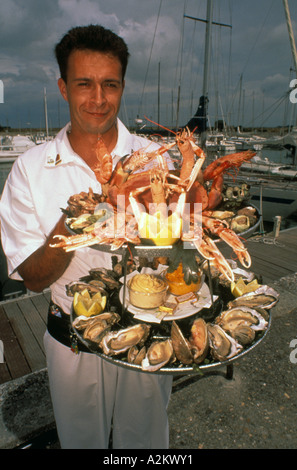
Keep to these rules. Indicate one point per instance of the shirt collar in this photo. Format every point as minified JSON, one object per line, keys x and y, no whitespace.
{"x":60,"y":152}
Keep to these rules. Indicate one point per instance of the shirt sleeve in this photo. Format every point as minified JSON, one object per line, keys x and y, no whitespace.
{"x":21,"y":233}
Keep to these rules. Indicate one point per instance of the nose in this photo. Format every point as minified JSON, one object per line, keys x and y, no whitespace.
{"x":98,"y":95}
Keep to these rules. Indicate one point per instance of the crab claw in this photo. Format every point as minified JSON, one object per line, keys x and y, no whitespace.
{"x":209,"y":250}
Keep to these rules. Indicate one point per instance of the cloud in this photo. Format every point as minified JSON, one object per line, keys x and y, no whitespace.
{"x":260,"y":52}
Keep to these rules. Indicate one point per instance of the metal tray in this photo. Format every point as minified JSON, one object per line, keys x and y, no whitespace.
{"x":171,"y":370}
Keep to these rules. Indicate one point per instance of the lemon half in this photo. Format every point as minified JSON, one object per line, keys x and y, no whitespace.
{"x":84,"y":304}
{"x":161,"y":230}
{"x":240,"y":287}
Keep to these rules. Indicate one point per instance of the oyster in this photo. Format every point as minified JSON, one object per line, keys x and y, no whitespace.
{"x":158,"y":355}
{"x":182,"y":347}
{"x":81,"y":322}
{"x":100,"y":325}
{"x":232,"y":318}
{"x":199,"y":339}
{"x":243,"y":334}
{"x":79,"y":286}
{"x":136,"y":355}
{"x":117,"y":342}
{"x":222,"y":345}
{"x":240,"y":223}
{"x":263,"y":297}
{"x":105,"y":275}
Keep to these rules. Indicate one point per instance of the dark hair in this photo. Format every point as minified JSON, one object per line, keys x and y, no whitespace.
{"x":92,"y":37}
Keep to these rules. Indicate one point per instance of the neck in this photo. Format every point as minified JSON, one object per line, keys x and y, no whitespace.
{"x":85,"y":144}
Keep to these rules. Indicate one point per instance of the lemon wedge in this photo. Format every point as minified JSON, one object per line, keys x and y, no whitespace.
{"x":240,"y":287}
{"x":161,"y":230}
{"x":84,"y":304}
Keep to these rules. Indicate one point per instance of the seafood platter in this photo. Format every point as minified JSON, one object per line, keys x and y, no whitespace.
{"x":194,"y":310}
{"x":204,"y":338}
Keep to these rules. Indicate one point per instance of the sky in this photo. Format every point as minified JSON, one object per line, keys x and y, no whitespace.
{"x":251,"y":64}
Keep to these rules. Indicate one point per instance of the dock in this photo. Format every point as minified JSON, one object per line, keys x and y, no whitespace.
{"x":23,"y":323}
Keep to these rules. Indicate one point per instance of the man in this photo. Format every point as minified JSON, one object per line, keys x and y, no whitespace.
{"x":88,"y":394}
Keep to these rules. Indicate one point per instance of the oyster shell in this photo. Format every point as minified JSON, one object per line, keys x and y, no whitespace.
{"x":232,"y":318}
{"x":105,"y":275}
{"x":222,"y":345}
{"x":117,"y":342}
{"x":243,"y":334}
{"x":136,"y":355}
{"x":79,"y":286}
{"x":99,"y":325}
{"x":263,"y":297}
{"x":81,"y":322}
{"x":181,"y":346}
{"x":158,"y":355}
{"x":240,"y":223}
{"x":199,"y":339}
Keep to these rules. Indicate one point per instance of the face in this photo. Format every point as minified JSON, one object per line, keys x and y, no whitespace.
{"x":93,"y":91}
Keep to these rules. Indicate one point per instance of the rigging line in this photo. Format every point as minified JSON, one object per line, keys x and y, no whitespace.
{"x":278,"y":103}
{"x":150,"y":56}
{"x":257,"y":37}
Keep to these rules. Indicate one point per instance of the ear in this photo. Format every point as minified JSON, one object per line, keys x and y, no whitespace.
{"x":63,"y":88}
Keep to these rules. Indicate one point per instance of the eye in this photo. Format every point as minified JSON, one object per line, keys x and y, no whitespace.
{"x":112,"y":85}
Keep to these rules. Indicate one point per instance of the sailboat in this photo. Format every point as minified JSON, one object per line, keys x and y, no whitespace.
{"x":273,"y":188}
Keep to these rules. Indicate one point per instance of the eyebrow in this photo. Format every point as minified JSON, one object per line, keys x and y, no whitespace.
{"x":86,"y":79}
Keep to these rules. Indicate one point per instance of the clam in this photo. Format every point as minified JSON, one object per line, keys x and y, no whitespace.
{"x":117,"y":342}
{"x":158,"y":355}
{"x":263,"y":297}
{"x":136,"y":355}
{"x":222,"y":345}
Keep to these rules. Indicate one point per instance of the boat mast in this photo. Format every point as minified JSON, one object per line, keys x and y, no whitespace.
{"x":291,"y":35}
{"x":45,"y":113}
{"x":207,"y":49}
{"x":200,"y":117}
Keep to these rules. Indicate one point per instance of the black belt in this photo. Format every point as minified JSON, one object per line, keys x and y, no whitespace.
{"x":59,"y":327}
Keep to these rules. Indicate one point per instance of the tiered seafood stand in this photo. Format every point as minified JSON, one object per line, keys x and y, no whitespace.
{"x":213,"y":298}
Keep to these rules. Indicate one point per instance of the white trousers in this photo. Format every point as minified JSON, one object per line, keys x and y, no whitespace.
{"x":89,"y":394}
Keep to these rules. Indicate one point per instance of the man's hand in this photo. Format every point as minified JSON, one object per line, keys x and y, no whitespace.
{"x":46,"y":264}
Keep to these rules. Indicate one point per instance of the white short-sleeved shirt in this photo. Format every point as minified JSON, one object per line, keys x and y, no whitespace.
{"x":37,"y":188}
